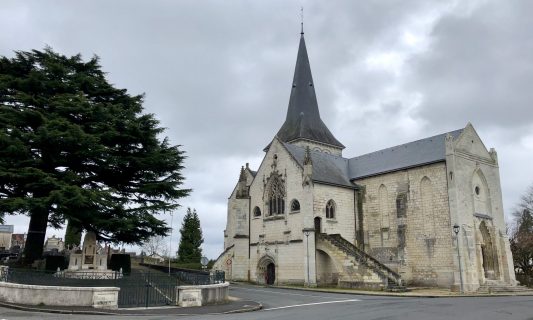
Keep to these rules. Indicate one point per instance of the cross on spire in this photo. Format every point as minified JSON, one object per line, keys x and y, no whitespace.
{"x":302,"y":19}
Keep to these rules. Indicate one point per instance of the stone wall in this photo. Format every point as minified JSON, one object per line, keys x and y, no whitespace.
{"x":96,"y":297}
{"x":196,"y":296}
{"x":345,"y":210}
{"x":278,"y":238}
{"x":475,"y":198}
{"x":417,"y":243}
{"x":327,"y":272}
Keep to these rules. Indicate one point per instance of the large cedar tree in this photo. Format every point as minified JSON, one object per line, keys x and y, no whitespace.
{"x":73,"y":147}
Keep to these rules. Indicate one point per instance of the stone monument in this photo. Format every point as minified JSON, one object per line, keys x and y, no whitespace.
{"x":88,"y":263}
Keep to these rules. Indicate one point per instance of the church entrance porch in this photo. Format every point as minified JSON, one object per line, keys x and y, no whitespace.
{"x":266,"y":270}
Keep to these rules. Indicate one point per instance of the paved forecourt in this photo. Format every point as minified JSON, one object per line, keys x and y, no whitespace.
{"x":297,"y":304}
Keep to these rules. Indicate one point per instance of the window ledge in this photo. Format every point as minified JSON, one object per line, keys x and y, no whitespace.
{"x":295,"y":211}
{"x":275,"y":217}
{"x":258,"y":217}
{"x":482,"y":216}
{"x":331,"y":220}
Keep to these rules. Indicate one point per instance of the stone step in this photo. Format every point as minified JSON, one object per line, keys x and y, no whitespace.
{"x":397,"y":289}
{"x":503,"y":288}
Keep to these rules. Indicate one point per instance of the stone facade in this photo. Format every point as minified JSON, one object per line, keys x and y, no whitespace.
{"x":310,"y":216}
{"x":417,"y":242}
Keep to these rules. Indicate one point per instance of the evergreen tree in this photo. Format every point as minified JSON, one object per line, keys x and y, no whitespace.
{"x":72,"y":146}
{"x":72,"y":234}
{"x":189,"y":250}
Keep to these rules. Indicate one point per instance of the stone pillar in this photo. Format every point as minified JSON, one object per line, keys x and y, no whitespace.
{"x":308,"y":232}
{"x":507,"y":261}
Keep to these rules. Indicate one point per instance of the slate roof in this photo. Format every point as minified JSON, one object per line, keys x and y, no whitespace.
{"x":327,"y":168}
{"x":331,"y":169}
{"x":303,"y":117}
{"x":412,"y":154}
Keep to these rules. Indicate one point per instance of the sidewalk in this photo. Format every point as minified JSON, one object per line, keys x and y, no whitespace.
{"x":233,"y":306}
{"x":413,"y":292}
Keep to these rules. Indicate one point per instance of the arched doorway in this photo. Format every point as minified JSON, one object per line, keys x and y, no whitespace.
{"x":488,"y":253}
{"x":270,"y":274}
{"x":266,"y":270}
{"x":318,"y":222}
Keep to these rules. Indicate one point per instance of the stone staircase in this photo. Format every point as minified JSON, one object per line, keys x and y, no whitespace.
{"x":390,"y":279}
{"x":492,"y":286}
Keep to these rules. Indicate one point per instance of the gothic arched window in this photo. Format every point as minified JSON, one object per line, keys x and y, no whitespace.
{"x":295,"y":206}
{"x":330,"y":209}
{"x":257,"y":212}
{"x":276,"y":195}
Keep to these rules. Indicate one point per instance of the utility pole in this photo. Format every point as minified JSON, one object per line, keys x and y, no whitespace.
{"x":170,"y":241}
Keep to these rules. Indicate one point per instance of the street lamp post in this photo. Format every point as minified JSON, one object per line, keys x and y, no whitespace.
{"x":456,"y":231}
{"x":306,"y":233}
{"x":170,"y":241}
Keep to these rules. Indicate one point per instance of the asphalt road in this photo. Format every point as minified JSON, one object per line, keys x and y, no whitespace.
{"x":296,"y":304}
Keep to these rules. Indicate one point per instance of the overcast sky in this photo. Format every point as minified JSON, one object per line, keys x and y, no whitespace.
{"x":218,"y":75}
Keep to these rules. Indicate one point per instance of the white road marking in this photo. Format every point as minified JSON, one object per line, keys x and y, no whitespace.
{"x":281,"y":292}
{"x":311,"y":304}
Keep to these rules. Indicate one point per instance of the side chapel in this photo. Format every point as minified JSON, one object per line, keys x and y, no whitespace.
{"x":308,"y":215}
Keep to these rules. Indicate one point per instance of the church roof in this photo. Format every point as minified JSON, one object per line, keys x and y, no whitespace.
{"x":327,"y":168}
{"x":412,"y":154}
{"x":303,"y":118}
{"x":331,"y":169}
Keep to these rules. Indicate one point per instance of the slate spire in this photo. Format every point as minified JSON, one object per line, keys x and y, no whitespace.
{"x":303,"y":118}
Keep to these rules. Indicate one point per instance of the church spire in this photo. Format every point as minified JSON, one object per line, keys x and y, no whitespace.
{"x":303,"y":118}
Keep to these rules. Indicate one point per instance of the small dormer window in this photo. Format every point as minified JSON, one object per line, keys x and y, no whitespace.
{"x":476,"y":189}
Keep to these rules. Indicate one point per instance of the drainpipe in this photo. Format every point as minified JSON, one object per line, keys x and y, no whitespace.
{"x":249,"y":230}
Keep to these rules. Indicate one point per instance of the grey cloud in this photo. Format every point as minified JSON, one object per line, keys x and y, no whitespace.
{"x":479,"y":67}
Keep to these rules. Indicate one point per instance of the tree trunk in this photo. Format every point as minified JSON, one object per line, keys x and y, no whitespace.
{"x":33,"y":249}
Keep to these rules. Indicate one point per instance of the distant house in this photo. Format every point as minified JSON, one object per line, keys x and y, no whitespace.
{"x":5,"y":237}
{"x":17,"y":242}
{"x":154,"y":258}
{"x":54,"y":244}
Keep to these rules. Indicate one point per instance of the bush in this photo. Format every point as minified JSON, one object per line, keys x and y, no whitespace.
{"x":54,"y":262}
{"x":190,"y":265}
{"x":118,"y":261}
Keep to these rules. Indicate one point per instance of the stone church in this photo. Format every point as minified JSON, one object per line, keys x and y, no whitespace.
{"x":426,"y":213}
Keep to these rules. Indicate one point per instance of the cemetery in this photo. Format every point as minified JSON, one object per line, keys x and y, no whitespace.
{"x":92,"y":278}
